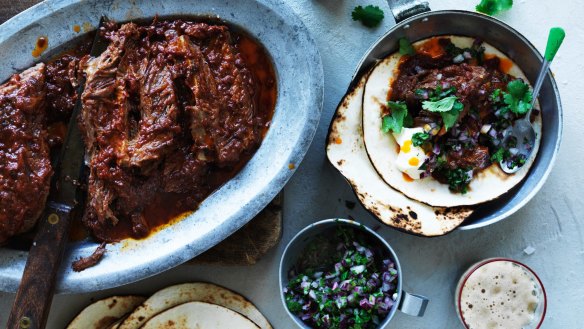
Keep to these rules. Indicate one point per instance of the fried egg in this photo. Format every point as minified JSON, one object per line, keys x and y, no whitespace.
{"x":410,"y":157}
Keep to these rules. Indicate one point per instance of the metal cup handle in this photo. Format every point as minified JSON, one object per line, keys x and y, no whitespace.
{"x":412,"y":304}
{"x":402,"y":9}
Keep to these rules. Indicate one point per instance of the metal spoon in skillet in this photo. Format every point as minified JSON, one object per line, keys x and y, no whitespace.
{"x":522,"y":131}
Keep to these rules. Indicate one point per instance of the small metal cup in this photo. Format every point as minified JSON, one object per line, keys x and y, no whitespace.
{"x":410,"y":304}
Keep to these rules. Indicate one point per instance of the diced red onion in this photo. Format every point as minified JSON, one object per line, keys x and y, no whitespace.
{"x":385,"y":287}
{"x":358,"y":269}
{"x":458,"y":59}
{"x":365,"y":304}
{"x":514,"y":151}
{"x":485,"y":128}
{"x":493,"y":133}
{"x":335,"y":286}
{"x":345,"y":285}
{"x":467,"y":55}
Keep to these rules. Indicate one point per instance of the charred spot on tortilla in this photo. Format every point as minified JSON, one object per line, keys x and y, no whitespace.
{"x":439,"y":138}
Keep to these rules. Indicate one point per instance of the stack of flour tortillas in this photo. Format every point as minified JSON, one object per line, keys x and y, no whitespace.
{"x":189,"y":305}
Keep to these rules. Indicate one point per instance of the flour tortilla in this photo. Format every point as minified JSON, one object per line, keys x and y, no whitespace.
{"x":193,"y":292}
{"x":346,"y":152}
{"x":486,"y":185}
{"x":105,"y":312}
{"x":199,"y":315}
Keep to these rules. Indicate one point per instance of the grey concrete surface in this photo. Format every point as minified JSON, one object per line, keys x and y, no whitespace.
{"x":551,"y":223}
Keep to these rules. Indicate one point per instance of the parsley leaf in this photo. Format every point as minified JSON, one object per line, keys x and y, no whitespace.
{"x":370,"y":16}
{"x":398,"y":118}
{"x":418,"y":139}
{"x":405,"y":47}
{"x":493,"y":7}
{"x":518,"y":97}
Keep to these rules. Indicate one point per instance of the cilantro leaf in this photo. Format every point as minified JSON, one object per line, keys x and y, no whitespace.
{"x":418,"y":139}
{"x":493,"y":7}
{"x":443,"y":105}
{"x":448,"y":107}
{"x":449,"y":118}
{"x":405,"y":47}
{"x":518,"y":97}
{"x":397,"y":119}
{"x":370,"y":16}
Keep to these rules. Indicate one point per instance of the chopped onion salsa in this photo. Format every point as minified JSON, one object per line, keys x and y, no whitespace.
{"x":466,"y":106}
{"x":342,"y":282}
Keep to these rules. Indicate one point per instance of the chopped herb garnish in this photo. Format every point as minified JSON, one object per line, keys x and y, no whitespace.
{"x":493,"y":7}
{"x":405,"y":47}
{"x":370,"y":16}
{"x":500,"y":155}
{"x":518,"y":97}
{"x":418,"y":139}
{"x":458,"y":180}
{"x":397,"y":119}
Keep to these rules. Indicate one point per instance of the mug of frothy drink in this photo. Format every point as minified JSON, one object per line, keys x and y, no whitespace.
{"x":500,"y":293}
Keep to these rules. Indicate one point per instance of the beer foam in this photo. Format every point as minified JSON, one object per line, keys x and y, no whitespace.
{"x":499,"y":294}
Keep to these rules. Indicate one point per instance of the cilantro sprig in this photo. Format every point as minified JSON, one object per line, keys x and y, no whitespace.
{"x":397,"y":119}
{"x":493,"y":7}
{"x":370,"y":16}
{"x":518,"y":97}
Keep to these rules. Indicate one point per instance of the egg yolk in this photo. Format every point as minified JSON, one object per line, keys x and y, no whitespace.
{"x":414,"y":162}
{"x":407,"y":147}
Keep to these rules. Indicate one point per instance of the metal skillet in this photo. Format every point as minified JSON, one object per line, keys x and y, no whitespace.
{"x":415,"y":22}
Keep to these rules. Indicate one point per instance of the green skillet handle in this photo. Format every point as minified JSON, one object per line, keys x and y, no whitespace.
{"x":555,"y":39}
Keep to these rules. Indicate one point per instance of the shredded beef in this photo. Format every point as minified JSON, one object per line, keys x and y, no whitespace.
{"x":162,"y":105}
{"x":84,"y":263}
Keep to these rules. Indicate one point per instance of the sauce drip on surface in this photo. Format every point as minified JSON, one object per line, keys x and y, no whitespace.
{"x":41,"y":45}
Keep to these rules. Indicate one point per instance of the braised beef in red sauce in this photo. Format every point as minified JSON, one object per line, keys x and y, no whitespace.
{"x":478,"y":84}
{"x":171,"y":111}
{"x":25,"y":167}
